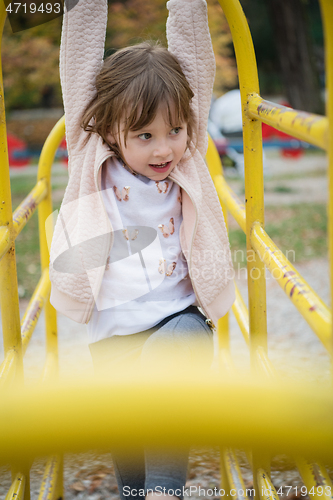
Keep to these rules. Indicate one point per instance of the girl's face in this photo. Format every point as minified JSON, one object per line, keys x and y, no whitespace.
{"x":155,"y":150}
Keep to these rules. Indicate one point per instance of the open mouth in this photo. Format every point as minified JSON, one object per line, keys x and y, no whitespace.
{"x":162,"y":167}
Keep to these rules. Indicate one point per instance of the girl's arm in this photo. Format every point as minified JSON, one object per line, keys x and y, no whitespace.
{"x":81,"y":56}
{"x":189,"y":40}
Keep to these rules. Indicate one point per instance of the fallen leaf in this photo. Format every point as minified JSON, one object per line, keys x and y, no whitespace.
{"x":78,"y":486}
{"x":94,"y":485}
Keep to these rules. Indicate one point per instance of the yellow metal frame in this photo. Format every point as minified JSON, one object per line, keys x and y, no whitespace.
{"x":251,"y":319}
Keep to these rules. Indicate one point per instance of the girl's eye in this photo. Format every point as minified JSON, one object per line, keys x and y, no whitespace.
{"x":145,"y":136}
{"x":175,"y":131}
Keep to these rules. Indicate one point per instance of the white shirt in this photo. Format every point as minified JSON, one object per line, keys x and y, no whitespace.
{"x":146,"y":277}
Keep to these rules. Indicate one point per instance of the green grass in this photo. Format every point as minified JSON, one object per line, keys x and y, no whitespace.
{"x":283,"y":189}
{"x":300,"y":236}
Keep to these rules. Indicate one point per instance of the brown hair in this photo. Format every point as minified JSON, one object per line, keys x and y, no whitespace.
{"x":134,"y":82}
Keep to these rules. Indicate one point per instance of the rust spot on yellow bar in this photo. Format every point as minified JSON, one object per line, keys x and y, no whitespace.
{"x":32,"y":318}
{"x":26,"y":210}
{"x":268,"y":108}
{"x":289,"y":273}
{"x":47,"y":488}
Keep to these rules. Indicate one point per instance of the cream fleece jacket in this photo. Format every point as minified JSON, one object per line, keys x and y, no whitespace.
{"x":83,"y":233}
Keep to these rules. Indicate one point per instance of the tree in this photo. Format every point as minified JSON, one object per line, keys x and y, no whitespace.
{"x":286,"y":35}
{"x":31,"y":65}
{"x":291,"y":32}
{"x":132,"y":21}
{"x":31,"y":57}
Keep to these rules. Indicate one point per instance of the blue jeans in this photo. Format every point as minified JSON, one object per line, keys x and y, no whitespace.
{"x":182,"y":337}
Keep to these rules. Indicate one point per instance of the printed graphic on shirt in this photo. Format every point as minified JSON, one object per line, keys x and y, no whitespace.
{"x":162,"y":269}
{"x":131,"y":267}
{"x":162,"y":187}
{"x":132,"y":235}
{"x":139,"y":260}
{"x":124,"y":195}
{"x":167,"y":230}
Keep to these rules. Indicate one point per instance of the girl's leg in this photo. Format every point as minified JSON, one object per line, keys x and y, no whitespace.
{"x":130,"y":473}
{"x":118,"y":352}
{"x":184,"y":339}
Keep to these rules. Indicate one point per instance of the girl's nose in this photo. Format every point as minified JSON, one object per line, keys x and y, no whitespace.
{"x":162,"y":149}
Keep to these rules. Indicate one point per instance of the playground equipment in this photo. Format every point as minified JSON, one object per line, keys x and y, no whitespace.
{"x":25,"y":424}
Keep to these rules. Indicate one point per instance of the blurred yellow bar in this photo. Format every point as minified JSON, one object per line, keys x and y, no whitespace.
{"x":304,"y":126}
{"x":189,"y":407}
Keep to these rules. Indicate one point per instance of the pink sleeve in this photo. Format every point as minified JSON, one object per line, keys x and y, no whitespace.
{"x":81,"y":56}
{"x":189,"y":40}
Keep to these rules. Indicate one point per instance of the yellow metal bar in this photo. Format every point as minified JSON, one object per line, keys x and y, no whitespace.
{"x":4,"y":240}
{"x":44,"y":210}
{"x":215,"y":168}
{"x":264,"y":363}
{"x":245,"y":414}
{"x":232,"y":476}
{"x":213,"y":159}
{"x":9,"y":300}
{"x":225,"y":362}
{"x":34,"y":308}
{"x":266,"y":488}
{"x":52,"y":485}
{"x":16,"y":491}
{"x":316,"y":479}
{"x":305,"y":299}
{"x":242,"y":315}
{"x":50,"y":369}
{"x":254,"y":186}
{"x":50,"y":148}
{"x":28,"y":206}
{"x":50,"y":479}
{"x":8,"y":367}
{"x":304,"y":126}
{"x":233,"y":203}
{"x":327,"y":16}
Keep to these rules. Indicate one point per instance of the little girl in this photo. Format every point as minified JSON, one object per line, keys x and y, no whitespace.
{"x":140,"y":241}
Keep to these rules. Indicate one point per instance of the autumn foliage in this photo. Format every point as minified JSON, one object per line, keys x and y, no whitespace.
{"x":31,"y":57}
